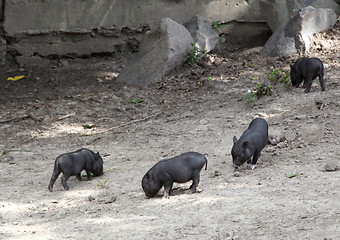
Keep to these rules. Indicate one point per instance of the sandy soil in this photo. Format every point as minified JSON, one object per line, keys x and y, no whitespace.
{"x":185,"y":112}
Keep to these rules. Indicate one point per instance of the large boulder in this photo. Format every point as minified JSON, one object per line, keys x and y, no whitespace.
{"x":293,"y":36}
{"x":3,"y":49}
{"x":202,"y":32}
{"x":160,"y":52}
{"x":276,"y":12}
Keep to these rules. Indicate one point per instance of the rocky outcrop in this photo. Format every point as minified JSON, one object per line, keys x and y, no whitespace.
{"x":3,"y":48}
{"x":293,"y":36}
{"x":160,"y":52}
{"x":203,"y":34}
{"x":276,"y":12}
{"x":54,"y":29}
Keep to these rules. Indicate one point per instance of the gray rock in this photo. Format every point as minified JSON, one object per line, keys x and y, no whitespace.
{"x":32,"y":61}
{"x":273,"y":141}
{"x":290,"y":135}
{"x":277,"y":11}
{"x":331,"y":166}
{"x":203,"y":34}
{"x":293,"y":36}
{"x":160,"y":52}
{"x":3,"y":49}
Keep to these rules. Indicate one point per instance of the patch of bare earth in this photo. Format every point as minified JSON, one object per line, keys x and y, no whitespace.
{"x":44,"y":114}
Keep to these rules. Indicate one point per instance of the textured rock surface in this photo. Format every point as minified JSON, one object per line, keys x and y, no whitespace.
{"x":160,"y":52}
{"x":2,"y":51}
{"x":276,"y":12}
{"x":203,"y":34}
{"x":293,"y":36}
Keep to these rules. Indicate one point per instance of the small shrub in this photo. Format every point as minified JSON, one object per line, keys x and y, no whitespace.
{"x":217,"y":25}
{"x":250,"y":97}
{"x":102,"y":184}
{"x":261,"y":89}
{"x":277,"y":75}
{"x":195,"y":55}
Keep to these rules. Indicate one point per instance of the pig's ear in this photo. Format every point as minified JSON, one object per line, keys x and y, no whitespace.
{"x":291,"y":66}
{"x":234,"y":139}
{"x":245,"y":144}
{"x":147,"y":176}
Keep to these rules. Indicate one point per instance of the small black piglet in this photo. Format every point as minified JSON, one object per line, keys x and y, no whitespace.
{"x":73,"y":163}
{"x":250,"y":144}
{"x":181,"y":169}
{"x":307,"y":69}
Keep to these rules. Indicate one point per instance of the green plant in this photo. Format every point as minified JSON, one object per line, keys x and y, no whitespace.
{"x":261,"y":89}
{"x":277,"y":75}
{"x":195,"y":55}
{"x":250,"y":97}
{"x":102,"y":184}
{"x":217,"y":25}
{"x":136,"y":100}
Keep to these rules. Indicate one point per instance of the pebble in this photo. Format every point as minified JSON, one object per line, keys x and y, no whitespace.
{"x":290,"y":135}
{"x":331,"y":166}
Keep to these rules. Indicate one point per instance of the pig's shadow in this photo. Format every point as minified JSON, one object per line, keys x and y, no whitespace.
{"x":174,"y":192}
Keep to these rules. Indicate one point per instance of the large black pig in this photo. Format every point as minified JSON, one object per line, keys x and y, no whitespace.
{"x":181,"y":169}
{"x":307,"y":69}
{"x":73,"y":163}
{"x":250,"y":144}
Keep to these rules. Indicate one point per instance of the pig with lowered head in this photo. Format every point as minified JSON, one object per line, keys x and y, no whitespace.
{"x":180,"y":169}
{"x":250,"y":144}
{"x":307,"y":69}
{"x":73,"y":163}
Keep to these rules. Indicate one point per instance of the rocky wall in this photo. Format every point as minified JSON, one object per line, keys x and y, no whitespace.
{"x":35,"y":29}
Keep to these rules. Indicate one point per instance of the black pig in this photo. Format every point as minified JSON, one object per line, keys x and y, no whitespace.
{"x":251,"y":143}
{"x":181,"y":169}
{"x":73,"y":163}
{"x":307,"y":69}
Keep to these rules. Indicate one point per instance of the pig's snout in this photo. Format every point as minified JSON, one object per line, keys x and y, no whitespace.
{"x":235,"y":166}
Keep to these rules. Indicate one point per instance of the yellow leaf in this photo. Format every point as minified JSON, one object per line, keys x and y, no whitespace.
{"x":16,"y":78}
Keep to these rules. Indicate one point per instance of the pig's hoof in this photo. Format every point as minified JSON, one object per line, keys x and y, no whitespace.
{"x":166,"y":195}
{"x":251,"y":166}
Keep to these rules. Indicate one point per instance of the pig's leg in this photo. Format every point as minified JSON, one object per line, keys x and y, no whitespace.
{"x":195,"y":182}
{"x":322,"y":82}
{"x":308,"y":83}
{"x":251,"y":164}
{"x":88,"y":173}
{"x":64,"y":179}
{"x":54,"y":177}
{"x":78,"y":176}
{"x":299,"y":80}
{"x":167,"y":189}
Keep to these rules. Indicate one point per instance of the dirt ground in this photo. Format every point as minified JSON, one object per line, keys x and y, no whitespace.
{"x":63,"y":108}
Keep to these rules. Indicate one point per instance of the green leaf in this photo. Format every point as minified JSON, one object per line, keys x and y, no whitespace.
{"x":291,"y":175}
{"x":137,"y":101}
